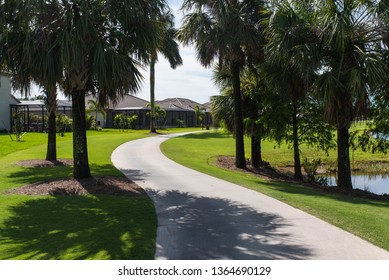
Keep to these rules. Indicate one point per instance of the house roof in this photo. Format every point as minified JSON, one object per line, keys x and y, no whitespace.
{"x":129,"y":101}
{"x":64,"y":103}
{"x":15,"y":99}
{"x":178,"y":103}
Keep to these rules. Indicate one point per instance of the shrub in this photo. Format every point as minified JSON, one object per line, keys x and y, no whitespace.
{"x":64,"y":123}
{"x":90,"y":122}
{"x":180,"y":123}
{"x":123,"y":122}
{"x":18,"y":125}
{"x":310,"y":167}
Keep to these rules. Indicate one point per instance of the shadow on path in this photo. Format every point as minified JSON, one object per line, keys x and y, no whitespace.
{"x":192,"y":227}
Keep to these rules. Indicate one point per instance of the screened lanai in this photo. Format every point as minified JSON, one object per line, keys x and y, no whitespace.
{"x":34,"y":115}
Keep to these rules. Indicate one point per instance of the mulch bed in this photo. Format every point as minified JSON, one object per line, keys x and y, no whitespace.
{"x":36,"y":163}
{"x":117,"y":186}
{"x":109,"y":185}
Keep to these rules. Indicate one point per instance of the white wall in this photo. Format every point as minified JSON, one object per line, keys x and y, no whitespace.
{"x":5,"y":101}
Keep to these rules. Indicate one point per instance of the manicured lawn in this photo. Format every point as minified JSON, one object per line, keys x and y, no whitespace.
{"x":72,"y":227}
{"x":368,"y":219}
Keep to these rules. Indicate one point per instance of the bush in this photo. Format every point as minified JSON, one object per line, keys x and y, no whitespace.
{"x":18,"y":125}
{"x":64,"y":123}
{"x":123,"y":122}
{"x":90,"y":122}
{"x":180,"y":123}
{"x":310,"y":167}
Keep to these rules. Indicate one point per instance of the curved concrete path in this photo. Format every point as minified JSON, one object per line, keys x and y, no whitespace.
{"x":201,"y":217}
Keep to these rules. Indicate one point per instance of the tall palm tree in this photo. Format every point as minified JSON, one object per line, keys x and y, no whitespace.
{"x":170,"y":50}
{"x":224,"y":30}
{"x":28,"y":53}
{"x":253,"y":90}
{"x":101,"y":46}
{"x":290,"y":62}
{"x":352,"y":66}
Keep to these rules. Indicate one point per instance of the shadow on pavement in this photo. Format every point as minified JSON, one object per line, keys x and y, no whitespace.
{"x":191,"y":227}
{"x":135,"y":175}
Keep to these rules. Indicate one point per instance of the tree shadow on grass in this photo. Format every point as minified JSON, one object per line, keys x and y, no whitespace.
{"x":79,"y":227}
{"x":208,"y":135}
{"x":192,"y":227}
{"x":27,"y":175}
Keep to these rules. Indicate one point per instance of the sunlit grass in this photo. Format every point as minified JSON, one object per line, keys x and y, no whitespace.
{"x":76,"y":227}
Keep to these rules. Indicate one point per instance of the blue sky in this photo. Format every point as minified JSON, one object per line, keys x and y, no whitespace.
{"x":190,"y":80}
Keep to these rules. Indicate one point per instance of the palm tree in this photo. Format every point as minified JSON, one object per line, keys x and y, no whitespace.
{"x":28,"y":54}
{"x":253,"y":88}
{"x":224,"y":30}
{"x":290,"y":61}
{"x":170,"y":50}
{"x":96,"y":108}
{"x":101,"y":45}
{"x":200,"y":115}
{"x":352,"y":66}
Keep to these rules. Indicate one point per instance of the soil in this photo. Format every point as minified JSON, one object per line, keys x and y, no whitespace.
{"x":109,"y":185}
{"x":35,"y":163}
{"x":285,"y":174}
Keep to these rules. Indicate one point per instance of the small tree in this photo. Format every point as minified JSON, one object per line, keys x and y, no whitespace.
{"x":18,"y":125}
{"x":96,"y":108}
{"x":200,"y":115}
{"x":159,"y":116}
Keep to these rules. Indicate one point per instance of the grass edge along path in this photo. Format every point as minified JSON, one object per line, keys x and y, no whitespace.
{"x":368,"y":219}
{"x":72,"y":227}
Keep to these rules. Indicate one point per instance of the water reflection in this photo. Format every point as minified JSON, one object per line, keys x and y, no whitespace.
{"x":378,"y":184}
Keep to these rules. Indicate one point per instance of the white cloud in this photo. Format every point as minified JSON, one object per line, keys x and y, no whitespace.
{"x":191,"y":80}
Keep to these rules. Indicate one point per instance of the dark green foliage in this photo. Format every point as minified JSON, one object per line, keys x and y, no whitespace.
{"x":64,"y":123}
{"x":90,"y":122}
{"x":124,"y":122}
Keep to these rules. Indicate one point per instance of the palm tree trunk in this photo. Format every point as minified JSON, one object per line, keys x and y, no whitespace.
{"x":240,"y":160}
{"x":51,"y":153}
{"x":80,"y":149}
{"x":344,"y":168}
{"x":256,"y":153}
{"x":152,"y":94}
{"x":96,"y":119}
{"x":296,"y":151}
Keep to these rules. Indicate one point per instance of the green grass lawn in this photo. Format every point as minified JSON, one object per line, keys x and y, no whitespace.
{"x":72,"y":227}
{"x":366,"y":218}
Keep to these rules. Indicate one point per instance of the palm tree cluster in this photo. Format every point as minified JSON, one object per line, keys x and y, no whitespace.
{"x":299,"y":66}
{"x":83,"y":47}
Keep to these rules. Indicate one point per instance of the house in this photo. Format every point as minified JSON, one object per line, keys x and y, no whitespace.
{"x":129,"y":105}
{"x":34,"y":113}
{"x":6,"y":99}
{"x":177,"y":109}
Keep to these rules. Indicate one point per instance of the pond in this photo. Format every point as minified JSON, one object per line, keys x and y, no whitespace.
{"x":378,"y":184}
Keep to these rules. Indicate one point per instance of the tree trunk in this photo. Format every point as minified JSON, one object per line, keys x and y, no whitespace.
{"x":344,"y":169}
{"x":152,"y":94}
{"x":256,"y":153}
{"x":296,"y":150}
{"x":51,"y":153}
{"x":240,"y":160}
{"x":80,"y":150}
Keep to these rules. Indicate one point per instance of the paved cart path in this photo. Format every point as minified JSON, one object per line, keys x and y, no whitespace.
{"x":201,"y":217}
